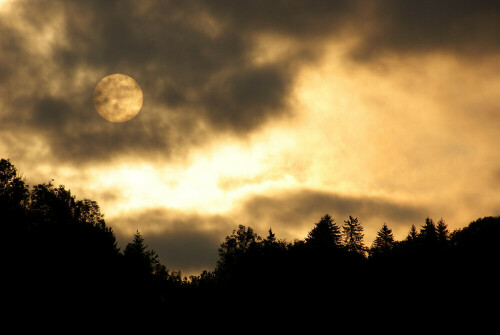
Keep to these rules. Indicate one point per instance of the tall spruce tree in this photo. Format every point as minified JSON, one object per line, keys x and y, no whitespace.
{"x":443,"y":234}
{"x":428,"y":232}
{"x":142,"y":261}
{"x":353,"y":236}
{"x":412,"y":234}
{"x":384,"y":241}
{"x":325,"y":234}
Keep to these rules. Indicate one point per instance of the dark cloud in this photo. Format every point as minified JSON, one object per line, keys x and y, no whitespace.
{"x":10,"y":49}
{"x":192,"y":78}
{"x":300,"y":19}
{"x":51,"y":113}
{"x":304,"y":207}
{"x":461,"y":28}
{"x":261,"y":90}
{"x":185,"y":250}
{"x":183,"y":241}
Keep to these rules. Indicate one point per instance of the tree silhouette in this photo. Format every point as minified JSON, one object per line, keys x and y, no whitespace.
{"x":12,"y":187}
{"x":239,"y":257}
{"x":271,"y":238}
{"x":412,"y":234}
{"x":443,"y":234}
{"x":14,"y":196}
{"x":428,"y":231}
{"x":384,"y":241}
{"x":147,"y":280}
{"x":479,"y":240}
{"x":236,"y":244}
{"x":353,"y":236}
{"x":143,"y":261}
{"x":61,"y":244}
{"x":325,"y":234}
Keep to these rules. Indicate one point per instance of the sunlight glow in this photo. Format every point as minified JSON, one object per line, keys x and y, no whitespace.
{"x":5,"y":4}
{"x":191,"y":188}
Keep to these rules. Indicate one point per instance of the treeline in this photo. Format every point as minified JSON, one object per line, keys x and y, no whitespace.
{"x":333,"y":263}
{"x":59,"y":249}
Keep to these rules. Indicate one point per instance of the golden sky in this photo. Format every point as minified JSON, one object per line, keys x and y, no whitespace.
{"x":267,"y":114}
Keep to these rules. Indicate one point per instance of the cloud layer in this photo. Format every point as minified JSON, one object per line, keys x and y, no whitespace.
{"x":199,"y":63}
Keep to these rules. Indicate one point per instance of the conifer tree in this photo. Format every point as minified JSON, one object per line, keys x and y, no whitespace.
{"x":141,"y":260}
{"x":384,"y":241}
{"x":443,"y":234}
{"x":412,"y":234}
{"x":353,"y":235}
{"x":428,"y":232}
{"x":325,"y":234}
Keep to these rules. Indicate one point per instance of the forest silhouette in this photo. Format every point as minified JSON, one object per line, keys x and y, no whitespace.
{"x":60,"y":250}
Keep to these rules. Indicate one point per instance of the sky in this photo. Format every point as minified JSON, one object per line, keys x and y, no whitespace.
{"x":268,"y":114}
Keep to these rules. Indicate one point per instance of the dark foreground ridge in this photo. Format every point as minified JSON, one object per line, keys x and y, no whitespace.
{"x":58,"y":251}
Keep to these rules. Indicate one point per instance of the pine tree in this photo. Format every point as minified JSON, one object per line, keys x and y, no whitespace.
{"x":428,"y":232}
{"x":412,"y":234}
{"x":353,"y":236}
{"x":443,"y":234}
{"x":325,"y":234}
{"x":139,"y":258}
{"x":384,"y":241}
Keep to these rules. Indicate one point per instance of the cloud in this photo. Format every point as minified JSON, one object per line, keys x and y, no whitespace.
{"x":289,"y":210}
{"x":300,"y":19}
{"x":196,"y":63}
{"x":183,"y":241}
{"x":460,"y":28}
{"x":195,"y":81}
{"x":261,"y":90}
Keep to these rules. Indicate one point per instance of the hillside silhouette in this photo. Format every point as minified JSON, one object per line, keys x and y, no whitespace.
{"x":59,"y":249}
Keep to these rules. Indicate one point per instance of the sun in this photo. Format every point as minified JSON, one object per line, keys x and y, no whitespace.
{"x":118,"y":98}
